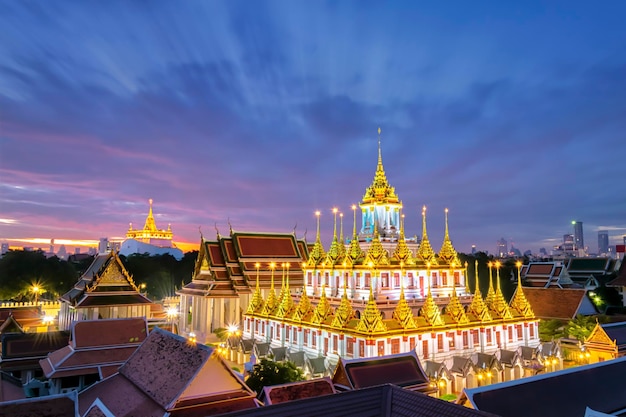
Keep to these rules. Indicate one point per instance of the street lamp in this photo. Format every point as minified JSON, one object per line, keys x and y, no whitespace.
{"x":172,"y":313}
{"x":36,"y":289}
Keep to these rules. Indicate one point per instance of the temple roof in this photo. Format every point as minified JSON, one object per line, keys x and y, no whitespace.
{"x":96,"y":346}
{"x":559,"y":303}
{"x":563,"y":393}
{"x":230,"y":265}
{"x":403,"y":370}
{"x":380,"y":401}
{"x":380,"y":192}
{"x":105,"y":282}
{"x":166,"y":375}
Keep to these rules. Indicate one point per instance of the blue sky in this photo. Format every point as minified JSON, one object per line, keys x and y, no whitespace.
{"x":512,"y":115}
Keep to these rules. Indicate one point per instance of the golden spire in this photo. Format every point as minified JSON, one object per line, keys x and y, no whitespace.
{"x":425,"y":253}
{"x":344,"y":312}
{"x":270,"y":303}
{"x":334,"y":252}
{"x":519,"y":301}
{"x":380,"y":191}
{"x":371,"y":320}
{"x":490,"y":293}
{"x":478,"y":306}
{"x":499,"y":305}
{"x":342,"y":241}
{"x":281,"y":294}
{"x":286,"y":302}
{"x":402,"y":252}
{"x":323,"y":308}
{"x":304,"y":306}
{"x":447,"y":252}
{"x":355,"y":253}
{"x":467,"y":288}
{"x":403,"y":312}
{"x":430,"y":311}
{"x":150,"y":224}
{"x":376,"y":254}
{"x":455,"y":308}
{"x":256,"y":303}
{"x":317,"y":253}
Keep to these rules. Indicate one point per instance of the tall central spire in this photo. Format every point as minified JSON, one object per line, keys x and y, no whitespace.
{"x":150,"y":224}
{"x":380,"y":191}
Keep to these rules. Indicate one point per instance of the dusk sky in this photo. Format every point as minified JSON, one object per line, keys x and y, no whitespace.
{"x":260,"y":113}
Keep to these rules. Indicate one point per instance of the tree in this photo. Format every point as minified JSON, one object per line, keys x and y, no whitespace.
{"x":581,"y":326}
{"x":268,"y":372}
{"x":550,"y":330}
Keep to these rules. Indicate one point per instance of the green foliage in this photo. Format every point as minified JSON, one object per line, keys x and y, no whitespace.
{"x":20,"y":270}
{"x":267,"y":373}
{"x":448,"y":397}
{"x":551,"y":330}
{"x":581,"y":326}
{"x":221,"y":333}
{"x":162,"y":274}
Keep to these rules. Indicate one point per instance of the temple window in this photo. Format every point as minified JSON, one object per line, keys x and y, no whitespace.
{"x":368,"y":279}
{"x":510,"y":333}
{"x":444,"y":279}
{"x":434,"y":280}
{"x":489,"y":341}
{"x":384,"y":280}
{"x":519,"y":331}
{"x":532,"y":330}
{"x":350,"y":346}
{"x":440,"y":342}
{"x":475,"y":337}
{"x":457,"y":278}
{"x":465,"y":340}
{"x":396,"y":280}
{"x":395,"y":346}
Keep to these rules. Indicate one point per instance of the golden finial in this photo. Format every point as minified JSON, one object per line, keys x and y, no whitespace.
{"x":425,"y":252}
{"x":519,"y":301}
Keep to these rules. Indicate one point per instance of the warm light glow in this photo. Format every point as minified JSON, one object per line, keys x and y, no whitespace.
{"x":518,"y":264}
{"x":272,"y":265}
{"x":257,"y":265}
{"x":233,"y":329}
{"x":498,"y":264}
{"x":47,"y":320}
{"x":171,"y":312}
{"x":354,"y":207}
{"x":335,"y":210}
{"x":318,"y":213}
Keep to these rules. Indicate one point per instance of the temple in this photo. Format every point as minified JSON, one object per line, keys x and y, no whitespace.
{"x":376,"y":295}
{"x":150,"y":239}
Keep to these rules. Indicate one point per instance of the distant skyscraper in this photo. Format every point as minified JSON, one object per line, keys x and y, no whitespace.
{"x":473,"y":249}
{"x":502,"y":248}
{"x":5,"y":248}
{"x":579,"y":241}
{"x":603,"y":241}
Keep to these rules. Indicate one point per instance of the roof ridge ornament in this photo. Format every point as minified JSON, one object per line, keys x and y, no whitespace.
{"x":402,"y":252}
{"x":317,"y":253}
{"x":519,"y":301}
{"x":447,"y":252}
{"x":371,"y":320}
{"x":478,"y":306}
{"x":430,"y":311}
{"x":425,"y":252}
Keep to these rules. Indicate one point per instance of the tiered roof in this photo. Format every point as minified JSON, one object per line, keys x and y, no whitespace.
{"x":105,"y":283}
{"x":229,"y":266}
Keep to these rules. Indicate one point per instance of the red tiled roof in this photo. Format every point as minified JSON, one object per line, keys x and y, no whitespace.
{"x":99,"y":333}
{"x":540,"y":269}
{"x":555,"y":303}
{"x":298,"y":390}
{"x":229,"y":250}
{"x":261,"y":246}
{"x":215,"y":254}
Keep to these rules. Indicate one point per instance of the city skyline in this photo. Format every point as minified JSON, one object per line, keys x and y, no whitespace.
{"x":256,"y":115}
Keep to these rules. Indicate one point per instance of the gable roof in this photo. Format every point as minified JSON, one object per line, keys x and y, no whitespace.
{"x":551,"y":393}
{"x":297,"y":390}
{"x":379,"y":401}
{"x":96,"y":347}
{"x":63,"y":405}
{"x":22,"y":351}
{"x":105,"y":282}
{"x":403,"y":370}
{"x":167,"y":374}
{"x":559,"y":303}
{"x":227,"y":266}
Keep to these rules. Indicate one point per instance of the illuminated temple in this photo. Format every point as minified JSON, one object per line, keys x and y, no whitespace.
{"x":150,"y":239}
{"x":375,"y":293}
